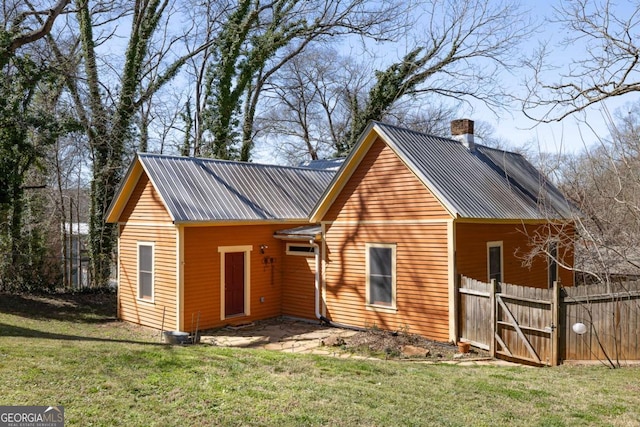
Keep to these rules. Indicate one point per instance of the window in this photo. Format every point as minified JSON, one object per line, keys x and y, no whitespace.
{"x":301,"y":249}
{"x":494,"y":261}
{"x":381,"y":275}
{"x":145,"y":271}
{"x":552,"y":263}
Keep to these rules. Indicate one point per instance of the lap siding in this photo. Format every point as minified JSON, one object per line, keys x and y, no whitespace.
{"x":144,"y":312}
{"x":422,"y":276}
{"x":298,"y":287}
{"x":202,"y":273}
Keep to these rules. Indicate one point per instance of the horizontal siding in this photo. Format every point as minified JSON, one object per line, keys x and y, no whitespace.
{"x":144,"y":204}
{"x":471,"y":253}
{"x":202,"y":272}
{"x":143,"y":312}
{"x":422,"y":277}
{"x":298,"y":288}
{"x":382,"y":187}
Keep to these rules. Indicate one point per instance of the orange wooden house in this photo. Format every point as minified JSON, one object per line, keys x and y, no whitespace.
{"x":380,"y":242}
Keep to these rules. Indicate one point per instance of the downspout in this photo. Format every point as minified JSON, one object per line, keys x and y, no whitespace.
{"x":316,"y":252}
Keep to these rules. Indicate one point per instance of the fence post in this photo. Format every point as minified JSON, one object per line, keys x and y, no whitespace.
{"x":555,"y":324}
{"x":492,"y":304}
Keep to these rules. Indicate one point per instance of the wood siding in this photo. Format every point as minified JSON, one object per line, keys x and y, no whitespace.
{"x":143,"y":312}
{"x":144,"y":204}
{"x":382,"y":187}
{"x":421,"y":284}
{"x":202,"y":272}
{"x":611,"y":314}
{"x":384,"y":202}
{"x":298,"y":286}
{"x":471,"y":253}
{"x":512,"y":322}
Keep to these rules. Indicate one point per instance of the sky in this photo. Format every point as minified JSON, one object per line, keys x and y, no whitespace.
{"x":573,"y":133}
{"x":569,"y":136}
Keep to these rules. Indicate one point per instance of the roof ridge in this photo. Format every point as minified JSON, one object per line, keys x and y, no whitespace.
{"x":444,"y":138}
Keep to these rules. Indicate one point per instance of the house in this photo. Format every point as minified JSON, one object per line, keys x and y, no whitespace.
{"x":379,"y":242}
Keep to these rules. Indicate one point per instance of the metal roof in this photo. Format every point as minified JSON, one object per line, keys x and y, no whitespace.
{"x":324,"y":164}
{"x":303,"y":232}
{"x":484,"y":183}
{"x":202,"y":190}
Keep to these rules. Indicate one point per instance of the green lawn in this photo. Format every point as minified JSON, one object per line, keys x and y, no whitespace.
{"x":63,"y":352}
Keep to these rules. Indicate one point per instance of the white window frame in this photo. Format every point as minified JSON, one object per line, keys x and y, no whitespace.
{"x":153,"y":273}
{"x":303,"y":245}
{"x":495,"y":244}
{"x":376,"y":307}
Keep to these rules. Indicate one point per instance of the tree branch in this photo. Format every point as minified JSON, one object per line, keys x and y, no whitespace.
{"x":45,"y":29}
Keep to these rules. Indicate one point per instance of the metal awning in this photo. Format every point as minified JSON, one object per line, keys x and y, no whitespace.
{"x":305,"y":232}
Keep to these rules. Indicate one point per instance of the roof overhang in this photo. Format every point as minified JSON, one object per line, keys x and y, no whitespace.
{"x":305,"y":232}
{"x":513,"y":220}
{"x":221,"y":223}
{"x":123,"y":193}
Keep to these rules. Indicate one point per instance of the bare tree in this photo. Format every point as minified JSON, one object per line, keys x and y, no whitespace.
{"x":107,"y":111}
{"x":460,"y":49}
{"x":306,"y":108}
{"x":258,"y":39}
{"x":463,"y":48}
{"x":210,"y":16}
{"x":28,"y":25}
{"x":602,"y":40}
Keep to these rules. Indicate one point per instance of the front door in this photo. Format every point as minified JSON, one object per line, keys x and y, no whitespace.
{"x":233,"y":283}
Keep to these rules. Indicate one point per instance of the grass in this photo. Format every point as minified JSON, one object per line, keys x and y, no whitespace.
{"x":69,"y":351}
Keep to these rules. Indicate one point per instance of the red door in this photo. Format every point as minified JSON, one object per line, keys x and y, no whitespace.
{"x":233,"y":283}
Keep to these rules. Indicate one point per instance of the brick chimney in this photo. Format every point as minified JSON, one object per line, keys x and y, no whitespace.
{"x":462,"y":130}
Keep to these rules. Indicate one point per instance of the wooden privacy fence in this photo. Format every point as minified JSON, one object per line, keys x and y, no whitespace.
{"x":514,"y":322}
{"x":611,"y":314}
{"x":536,"y":325}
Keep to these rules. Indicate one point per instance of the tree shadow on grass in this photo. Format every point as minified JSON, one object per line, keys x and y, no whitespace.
{"x":79,"y":309}
{"x":82,"y":308}
{"x":18,"y":331}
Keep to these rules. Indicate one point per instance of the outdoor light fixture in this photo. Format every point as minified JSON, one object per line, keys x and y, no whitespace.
{"x":579,"y":328}
{"x":262,"y":248}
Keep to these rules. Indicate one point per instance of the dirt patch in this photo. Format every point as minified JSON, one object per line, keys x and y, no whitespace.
{"x":399,"y":345}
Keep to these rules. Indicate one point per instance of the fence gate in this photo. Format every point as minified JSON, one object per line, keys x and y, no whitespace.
{"x":512,"y":322}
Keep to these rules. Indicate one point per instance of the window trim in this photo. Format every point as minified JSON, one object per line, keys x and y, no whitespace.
{"x":550,"y":261}
{"x":300,"y":253}
{"x":495,"y":244}
{"x":377,"y":307}
{"x":153,"y":272}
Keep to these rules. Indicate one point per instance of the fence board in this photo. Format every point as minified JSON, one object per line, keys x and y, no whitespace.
{"x":475,"y":312}
{"x":612,"y":316}
{"x":511,"y":320}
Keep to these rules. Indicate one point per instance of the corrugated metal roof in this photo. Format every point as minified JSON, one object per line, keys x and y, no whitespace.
{"x":484,"y":183}
{"x":325,"y":164}
{"x":302,"y":232}
{"x":201,"y":190}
